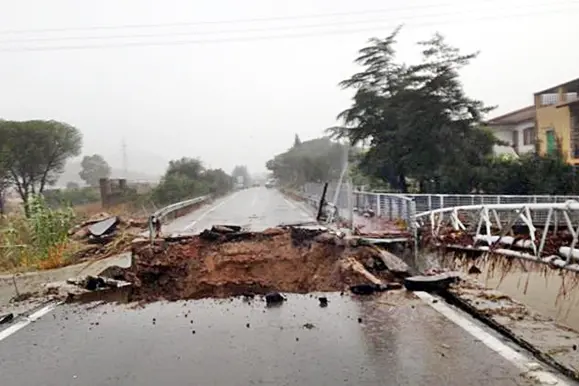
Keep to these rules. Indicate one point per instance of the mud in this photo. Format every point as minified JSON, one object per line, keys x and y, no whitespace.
{"x":217,"y":264}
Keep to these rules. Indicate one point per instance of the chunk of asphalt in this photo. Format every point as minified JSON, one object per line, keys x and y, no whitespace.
{"x":364,"y":289}
{"x":274,"y":298}
{"x":93,"y":283}
{"x":323,"y":301}
{"x":7,"y":318}
{"x":431,"y":283}
{"x":104,"y":227}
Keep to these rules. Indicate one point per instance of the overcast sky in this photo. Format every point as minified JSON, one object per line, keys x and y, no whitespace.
{"x":218,"y":86}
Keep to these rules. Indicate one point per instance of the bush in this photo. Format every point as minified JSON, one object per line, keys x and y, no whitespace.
{"x":40,"y":239}
{"x":56,"y":198}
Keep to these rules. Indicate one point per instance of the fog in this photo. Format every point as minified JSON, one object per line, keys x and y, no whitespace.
{"x":182,"y":85}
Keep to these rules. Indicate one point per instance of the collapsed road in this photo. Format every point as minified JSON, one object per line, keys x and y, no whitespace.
{"x":205,"y":336}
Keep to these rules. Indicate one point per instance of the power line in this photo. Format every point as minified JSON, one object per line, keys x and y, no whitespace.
{"x":268,"y":37}
{"x":246,"y":30}
{"x":234,"y":21}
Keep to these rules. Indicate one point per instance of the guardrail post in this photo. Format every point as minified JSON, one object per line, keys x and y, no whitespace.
{"x":378,"y":205}
{"x":151,"y":229}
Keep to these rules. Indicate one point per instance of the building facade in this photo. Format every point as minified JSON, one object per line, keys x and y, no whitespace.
{"x":516,"y":130}
{"x":557,"y":111}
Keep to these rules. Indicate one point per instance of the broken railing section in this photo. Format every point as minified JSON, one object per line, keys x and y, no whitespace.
{"x":369,"y":214}
{"x":545,"y":233}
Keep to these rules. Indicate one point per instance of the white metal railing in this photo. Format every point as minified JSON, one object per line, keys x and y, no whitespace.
{"x":385,"y":205}
{"x":493,"y":222}
{"x":429,"y":202}
{"x":405,"y":206}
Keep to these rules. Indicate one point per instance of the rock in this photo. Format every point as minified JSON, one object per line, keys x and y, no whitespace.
{"x":323,"y":301}
{"x":274,"y":298}
{"x":473,"y":270}
{"x":364,"y":289}
{"x":103,"y":227}
{"x":430,"y":283}
{"x":6,"y":318}
{"x":393,"y":263}
{"x":394,"y":286}
{"x":273,"y":231}
{"x":224,"y":229}
{"x":93,"y":283}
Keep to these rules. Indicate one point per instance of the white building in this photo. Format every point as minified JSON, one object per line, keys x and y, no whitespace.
{"x":516,"y":129}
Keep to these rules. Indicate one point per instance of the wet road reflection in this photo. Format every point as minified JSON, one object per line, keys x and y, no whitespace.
{"x":390,"y":340}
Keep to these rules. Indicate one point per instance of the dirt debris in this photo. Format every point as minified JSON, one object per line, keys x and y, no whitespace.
{"x":223,"y":263}
{"x":104,"y":235}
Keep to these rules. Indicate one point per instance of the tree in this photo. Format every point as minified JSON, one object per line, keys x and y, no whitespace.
{"x":71,"y":185}
{"x":94,"y":168}
{"x":4,"y":183}
{"x":35,"y":153}
{"x":297,"y":141}
{"x":316,"y":160}
{"x":186,"y":178}
{"x":218,"y":182}
{"x":416,"y":118}
{"x":241,"y":171}
{"x":191,"y":168}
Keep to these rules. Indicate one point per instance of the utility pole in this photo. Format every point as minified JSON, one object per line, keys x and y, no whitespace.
{"x":125,"y":158}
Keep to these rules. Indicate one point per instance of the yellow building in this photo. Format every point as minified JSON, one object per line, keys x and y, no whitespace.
{"x":558,"y":120}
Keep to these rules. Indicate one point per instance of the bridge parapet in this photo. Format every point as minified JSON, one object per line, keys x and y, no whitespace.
{"x":509,"y":229}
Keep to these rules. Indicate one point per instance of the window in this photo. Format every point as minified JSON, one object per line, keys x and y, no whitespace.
{"x":529,"y":136}
{"x":551,"y":141}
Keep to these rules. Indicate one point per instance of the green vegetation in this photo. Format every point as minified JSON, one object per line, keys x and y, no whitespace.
{"x":74,"y":196}
{"x":316,"y":160}
{"x":39,"y":240}
{"x":187,"y":178}
{"x":33,"y":154}
{"x":94,"y":168}
{"x":241,"y":171}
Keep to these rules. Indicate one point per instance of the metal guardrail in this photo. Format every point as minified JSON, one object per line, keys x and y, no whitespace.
{"x":156,"y":219}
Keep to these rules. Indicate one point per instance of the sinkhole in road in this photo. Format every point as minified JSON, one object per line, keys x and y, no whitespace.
{"x":223,"y":262}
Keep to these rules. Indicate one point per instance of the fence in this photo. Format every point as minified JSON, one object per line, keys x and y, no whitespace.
{"x":397,"y":206}
{"x":390,"y":207}
{"x":428,"y":202}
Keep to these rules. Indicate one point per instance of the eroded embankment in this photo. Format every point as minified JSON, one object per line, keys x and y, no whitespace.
{"x":222,"y":263}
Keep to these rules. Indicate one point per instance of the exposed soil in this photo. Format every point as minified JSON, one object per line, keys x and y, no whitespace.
{"x":221,"y":264}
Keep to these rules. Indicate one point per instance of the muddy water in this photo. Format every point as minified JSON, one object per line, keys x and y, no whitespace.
{"x":533,"y":289}
{"x":541,"y":293}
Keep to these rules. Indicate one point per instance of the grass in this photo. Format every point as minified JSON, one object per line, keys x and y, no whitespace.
{"x":37,"y":242}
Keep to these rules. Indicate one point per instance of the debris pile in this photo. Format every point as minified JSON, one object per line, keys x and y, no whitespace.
{"x":227,"y":261}
{"x":105,"y":235}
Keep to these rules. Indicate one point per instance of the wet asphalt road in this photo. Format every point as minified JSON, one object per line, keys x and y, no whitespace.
{"x":398,"y":340}
{"x":254,"y":208}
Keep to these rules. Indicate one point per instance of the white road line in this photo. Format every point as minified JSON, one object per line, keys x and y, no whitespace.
{"x":300,"y":210}
{"x":190,"y":226}
{"x":530,"y":368}
{"x":254,"y":201}
{"x":26,"y":321}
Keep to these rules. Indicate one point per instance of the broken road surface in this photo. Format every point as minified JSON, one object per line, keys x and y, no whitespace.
{"x":392,"y":338}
